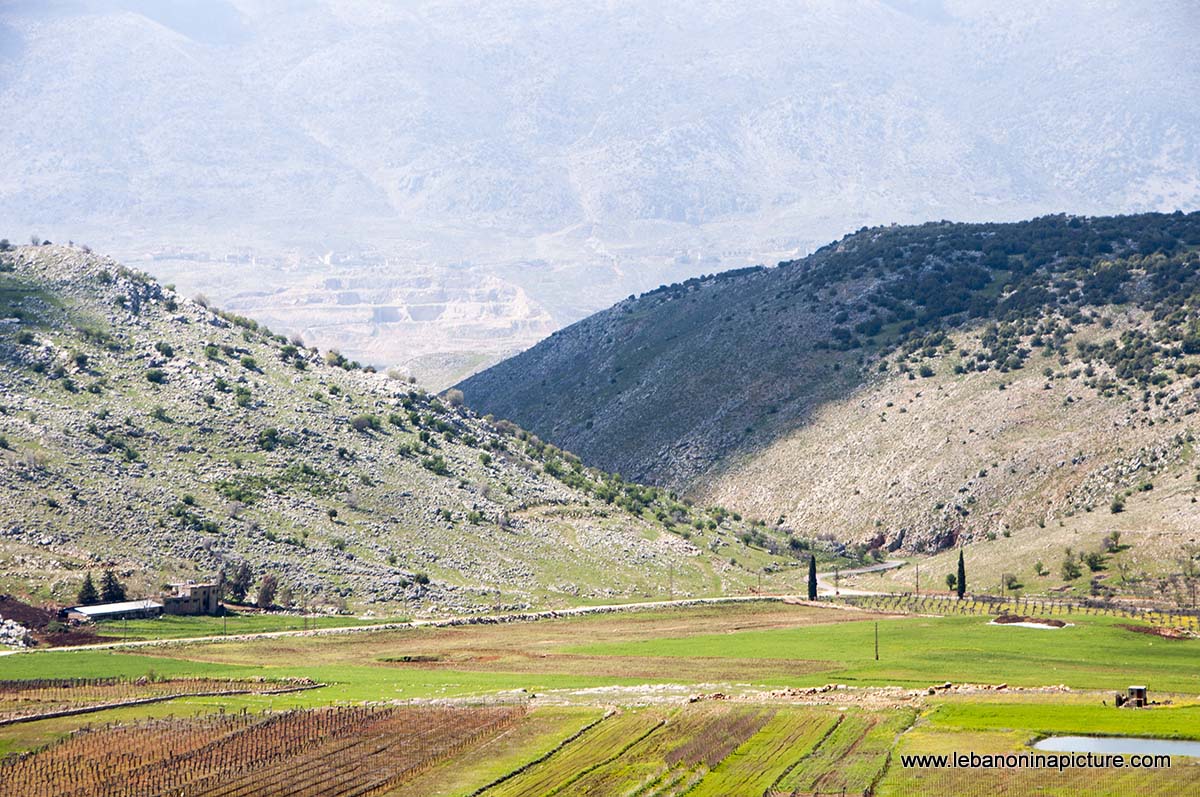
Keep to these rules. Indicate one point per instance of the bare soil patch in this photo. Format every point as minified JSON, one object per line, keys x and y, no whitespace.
{"x":1010,"y":619}
{"x":1160,"y":631}
{"x":38,"y":619}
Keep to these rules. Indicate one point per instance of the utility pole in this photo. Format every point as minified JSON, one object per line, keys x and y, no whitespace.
{"x":876,"y":640}
{"x":836,"y":591}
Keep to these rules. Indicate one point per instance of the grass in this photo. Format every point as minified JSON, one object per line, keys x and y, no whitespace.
{"x":756,"y":643}
{"x":1054,"y":716}
{"x":1182,"y":778}
{"x":179,"y":627}
{"x":762,"y":760}
{"x":677,"y":753}
{"x":853,"y":755}
{"x":735,"y":648}
{"x":600,"y":745}
{"x":1095,"y":653}
{"x":536,"y":736}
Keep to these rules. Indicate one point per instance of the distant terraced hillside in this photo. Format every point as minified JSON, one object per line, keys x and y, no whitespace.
{"x":905,"y":386}
{"x":146,"y":431}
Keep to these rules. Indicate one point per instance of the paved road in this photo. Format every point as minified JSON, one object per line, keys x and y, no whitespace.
{"x":824,"y":587}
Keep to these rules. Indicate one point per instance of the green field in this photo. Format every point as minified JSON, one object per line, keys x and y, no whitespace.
{"x":642,"y":667}
{"x":921,"y":650}
{"x":181,"y":627}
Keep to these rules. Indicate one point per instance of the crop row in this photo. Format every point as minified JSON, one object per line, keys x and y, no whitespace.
{"x":1043,"y":607}
{"x":27,"y":698}
{"x":326,"y":751}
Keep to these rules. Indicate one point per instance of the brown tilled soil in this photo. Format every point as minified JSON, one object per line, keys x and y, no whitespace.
{"x":1004,"y":619}
{"x":37,"y":619}
{"x":1159,"y":631}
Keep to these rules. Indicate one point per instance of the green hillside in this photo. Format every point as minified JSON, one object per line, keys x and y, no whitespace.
{"x":906,"y":387}
{"x":147,"y":432}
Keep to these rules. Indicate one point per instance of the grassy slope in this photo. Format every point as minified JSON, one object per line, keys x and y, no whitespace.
{"x":900,"y":453}
{"x":758,"y":417}
{"x":100,"y":462}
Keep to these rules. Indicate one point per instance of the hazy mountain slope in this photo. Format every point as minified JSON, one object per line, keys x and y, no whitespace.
{"x":907,"y":385}
{"x":579,"y":152}
{"x":146,"y":430}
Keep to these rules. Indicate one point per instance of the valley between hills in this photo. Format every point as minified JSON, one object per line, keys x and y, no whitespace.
{"x":468,"y":606}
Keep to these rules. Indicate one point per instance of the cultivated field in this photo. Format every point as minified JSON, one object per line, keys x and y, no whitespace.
{"x":347,"y":751}
{"x":21,"y":701}
{"x":761,"y":698}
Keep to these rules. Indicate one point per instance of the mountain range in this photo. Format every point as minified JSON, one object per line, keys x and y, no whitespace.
{"x":269,"y":154}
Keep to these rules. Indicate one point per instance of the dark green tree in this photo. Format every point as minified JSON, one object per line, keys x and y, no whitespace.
{"x":812,"y":578}
{"x":111,"y":590}
{"x":240,"y":584}
{"x":960,"y":581}
{"x":87,"y":591}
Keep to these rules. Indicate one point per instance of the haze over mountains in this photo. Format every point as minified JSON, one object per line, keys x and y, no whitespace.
{"x":436,"y":185}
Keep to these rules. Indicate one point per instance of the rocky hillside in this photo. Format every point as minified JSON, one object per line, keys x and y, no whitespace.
{"x":905,"y":386}
{"x":146,"y":431}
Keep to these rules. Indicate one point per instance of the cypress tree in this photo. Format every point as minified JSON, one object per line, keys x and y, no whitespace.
{"x":111,"y":590}
{"x":812,"y":578}
{"x":961,"y":582}
{"x":87,"y":591}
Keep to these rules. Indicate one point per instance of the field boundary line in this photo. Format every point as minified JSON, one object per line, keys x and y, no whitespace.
{"x":145,"y":701}
{"x":584,"y":772}
{"x":812,"y":751}
{"x":887,"y":761}
{"x":556,"y":748}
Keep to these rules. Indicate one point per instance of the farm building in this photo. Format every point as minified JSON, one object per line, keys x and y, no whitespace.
{"x":192,"y":599}
{"x":124,"y":610}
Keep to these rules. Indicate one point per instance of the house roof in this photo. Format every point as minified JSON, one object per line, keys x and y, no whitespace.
{"x":101,"y":609}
